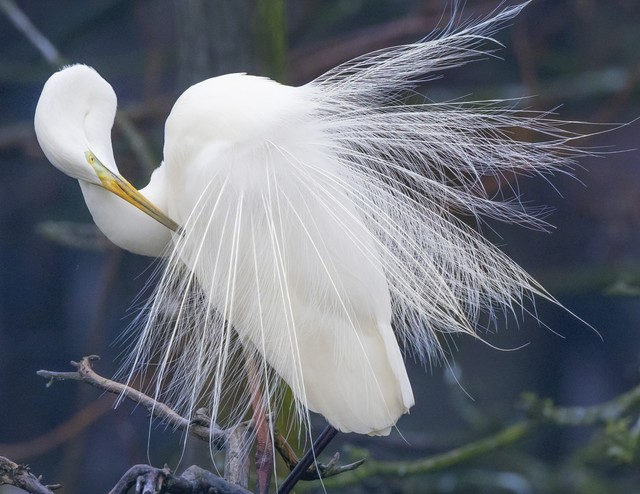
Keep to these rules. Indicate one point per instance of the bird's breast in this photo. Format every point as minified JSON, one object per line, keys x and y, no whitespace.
{"x":277,"y":242}
{"x":280,"y":214}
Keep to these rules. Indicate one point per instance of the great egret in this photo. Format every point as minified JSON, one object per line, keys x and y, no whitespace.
{"x":297,"y":222}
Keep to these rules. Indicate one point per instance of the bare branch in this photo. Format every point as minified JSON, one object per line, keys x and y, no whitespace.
{"x":194,"y":480}
{"x":541,"y":412}
{"x":236,"y":459}
{"x":37,"y":39}
{"x":20,"y":476}
{"x":201,"y":428}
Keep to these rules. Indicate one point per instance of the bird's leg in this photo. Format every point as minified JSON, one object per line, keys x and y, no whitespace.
{"x":264,"y":449}
{"x":319,"y":445}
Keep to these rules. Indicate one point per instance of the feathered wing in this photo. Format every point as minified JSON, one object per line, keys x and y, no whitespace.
{"x":415,"y":170}
{"x":303,"y":234}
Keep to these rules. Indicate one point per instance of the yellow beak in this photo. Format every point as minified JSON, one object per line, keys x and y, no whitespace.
{"x":122,"y":188}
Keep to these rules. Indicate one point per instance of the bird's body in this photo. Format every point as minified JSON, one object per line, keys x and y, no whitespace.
{"x":308,"y":220}
{"x":265,"y":204}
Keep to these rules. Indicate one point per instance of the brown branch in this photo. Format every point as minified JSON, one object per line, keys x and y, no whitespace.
{"x":200,"y":428}
{"x":147,"y":478}
{"x":20,"y":476}
{"x":311,"y":61}
{"x":236,"y":458}
{"x":525,"y":57}
{"x":59,"y":435}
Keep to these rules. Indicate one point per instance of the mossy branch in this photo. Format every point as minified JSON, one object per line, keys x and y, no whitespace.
{"x":540,"y":413}
{"x":200,"y":426}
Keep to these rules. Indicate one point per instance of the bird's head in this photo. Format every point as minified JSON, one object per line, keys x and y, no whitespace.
{"x":73,"y":121}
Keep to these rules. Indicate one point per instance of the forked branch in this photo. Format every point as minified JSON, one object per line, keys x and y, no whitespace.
{"x":194,"y":480}
{"x":201,"y":427}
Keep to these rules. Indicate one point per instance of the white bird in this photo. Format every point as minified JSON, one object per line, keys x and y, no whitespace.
{"x":301,"y":225}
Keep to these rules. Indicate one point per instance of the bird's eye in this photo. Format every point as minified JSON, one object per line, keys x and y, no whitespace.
{"x":90,"y":157}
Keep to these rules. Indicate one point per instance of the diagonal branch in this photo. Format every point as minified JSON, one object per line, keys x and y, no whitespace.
{"x":201,"y":427}
{"x":69,"y":429}
{"x":541,"y":412}
{"x":37,"y":39}
{"x":52,"y":55}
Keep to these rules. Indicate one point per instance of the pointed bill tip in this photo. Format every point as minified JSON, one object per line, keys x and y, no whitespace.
{"x":122,"y":188}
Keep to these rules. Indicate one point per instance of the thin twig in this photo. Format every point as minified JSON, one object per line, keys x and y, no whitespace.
{"x":541,"y":412}
{"x":157,"y":409}
{"x":199,"y":426}
{"x":37,"y":39}
{"x":437,"y":462}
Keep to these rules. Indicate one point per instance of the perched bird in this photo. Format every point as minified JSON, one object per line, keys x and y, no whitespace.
{"x":310,"y":234}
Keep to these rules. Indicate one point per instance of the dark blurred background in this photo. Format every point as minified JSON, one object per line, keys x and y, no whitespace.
{"x":59,"y":302}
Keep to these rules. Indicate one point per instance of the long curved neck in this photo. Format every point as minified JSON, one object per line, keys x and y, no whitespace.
{"x":125,"y":225}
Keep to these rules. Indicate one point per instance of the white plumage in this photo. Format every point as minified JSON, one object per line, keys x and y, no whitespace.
{"x":313,"y":218}
{"x":281,"y":249}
